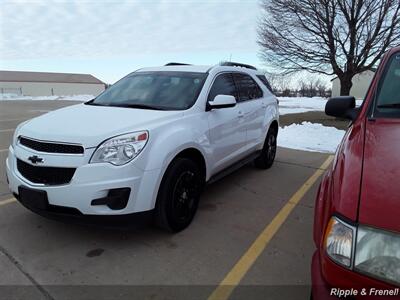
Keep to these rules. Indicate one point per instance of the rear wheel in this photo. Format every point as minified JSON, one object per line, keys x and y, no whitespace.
{"x":179,"y":195}
{"x":268,"y":152}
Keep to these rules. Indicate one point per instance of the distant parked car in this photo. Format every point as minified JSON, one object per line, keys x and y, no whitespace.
{"x":357,"y":212}
{"x":148,"y":143}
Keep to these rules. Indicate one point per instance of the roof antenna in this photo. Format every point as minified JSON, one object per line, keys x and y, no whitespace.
{"x":230,"y":57}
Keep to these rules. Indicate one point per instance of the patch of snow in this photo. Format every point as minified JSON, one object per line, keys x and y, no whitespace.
{"x":310,"y":137}
{"x":295,"y":105}
{"x":68,"y":97}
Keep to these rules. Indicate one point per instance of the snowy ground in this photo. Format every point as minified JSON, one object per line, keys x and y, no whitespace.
{"x":295,"y":105}
{"x":70,"y":97}
{"x":310,"y":137}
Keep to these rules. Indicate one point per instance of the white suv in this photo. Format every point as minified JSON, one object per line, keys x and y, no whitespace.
{"x":149,"y":143}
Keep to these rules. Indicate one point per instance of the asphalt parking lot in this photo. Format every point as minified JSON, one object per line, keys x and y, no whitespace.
{"x":251,"y":239}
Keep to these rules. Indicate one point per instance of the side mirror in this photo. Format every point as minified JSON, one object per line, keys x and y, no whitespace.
{"x":221,"y":101}
{"x":342,"y":107}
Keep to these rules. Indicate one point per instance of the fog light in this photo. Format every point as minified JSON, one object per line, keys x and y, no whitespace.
{"x":116,"y":199}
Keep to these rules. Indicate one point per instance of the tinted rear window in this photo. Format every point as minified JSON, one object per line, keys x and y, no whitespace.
{"x":248,"y":88}
{"x":265,"y":82}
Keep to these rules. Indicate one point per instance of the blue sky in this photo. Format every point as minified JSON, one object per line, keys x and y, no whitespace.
{"x":112,"y":38}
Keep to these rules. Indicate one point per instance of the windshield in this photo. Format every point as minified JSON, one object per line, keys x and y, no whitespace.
{"x":154,"y":90}
{"x":388,"y":94}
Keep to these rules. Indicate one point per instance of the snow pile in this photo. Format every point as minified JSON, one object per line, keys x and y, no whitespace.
{"x":22,"y":97}
{"x":294,"y":105}
{"x":310,"y":137}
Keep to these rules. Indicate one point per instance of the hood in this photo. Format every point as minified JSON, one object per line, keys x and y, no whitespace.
{"x":380,"y":192}
{"x":90,"y":125}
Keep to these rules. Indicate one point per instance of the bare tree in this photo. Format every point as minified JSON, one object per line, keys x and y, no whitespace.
{"x":312,"y":86}
{"x":332,"y":37}
{"x":307,"y":88}
{"x":320,"y":88}
{"x":303,"y":88}
{"x":281,"y":84}
{"x":273,"y":80}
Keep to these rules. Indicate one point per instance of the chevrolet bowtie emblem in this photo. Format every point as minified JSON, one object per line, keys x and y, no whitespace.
{"x":35,"y":159}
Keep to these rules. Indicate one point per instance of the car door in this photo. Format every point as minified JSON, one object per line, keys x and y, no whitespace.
{"x":227,"y":129}
{"x":253,"y":108}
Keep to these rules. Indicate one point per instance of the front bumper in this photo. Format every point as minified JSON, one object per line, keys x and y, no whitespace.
{"x":326,"y":275}
{"x":320,"y":289}
{"x":90,"y":182}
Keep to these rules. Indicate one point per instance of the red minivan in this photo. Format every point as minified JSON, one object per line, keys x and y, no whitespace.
{"x":357,"y":211}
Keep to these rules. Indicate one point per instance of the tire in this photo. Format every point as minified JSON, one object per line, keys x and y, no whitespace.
{"x":178,"y":195}
{"x":268,"y":152}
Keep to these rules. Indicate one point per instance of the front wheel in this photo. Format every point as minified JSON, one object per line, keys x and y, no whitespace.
{"x":268,"y":152}
{"x":179,"y":195}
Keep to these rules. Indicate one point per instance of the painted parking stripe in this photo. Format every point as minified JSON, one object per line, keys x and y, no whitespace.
{"x":7,"y":130}
{"x":8,"y":201}
{"x":236,"y":274}
{"x":3,"y":150}
{"x":11,"y":120}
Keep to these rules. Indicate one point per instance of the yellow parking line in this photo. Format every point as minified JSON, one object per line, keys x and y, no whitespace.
{"x":235,"y":275}
{"x":8,"y":201}
{"x":7,"y":130}
{"x":10,"y":120}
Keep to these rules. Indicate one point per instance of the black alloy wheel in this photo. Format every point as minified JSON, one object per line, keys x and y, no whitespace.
{"x":179,"y":194}
{"x":268,"y":153}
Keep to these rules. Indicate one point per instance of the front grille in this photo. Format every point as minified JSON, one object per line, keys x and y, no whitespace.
{"x":45,"y":175}
{"x":50,"y":147}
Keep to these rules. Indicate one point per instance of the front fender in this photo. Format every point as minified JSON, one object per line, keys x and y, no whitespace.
{"x":169,"y":144}
{"x":321,"y":210}
{"x":165,"y":145}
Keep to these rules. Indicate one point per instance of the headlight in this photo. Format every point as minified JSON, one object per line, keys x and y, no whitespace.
{"x":338,"y":241}
{"x":121,"y":149}
{"x":378,"y":254}
{"x":375,"y":253}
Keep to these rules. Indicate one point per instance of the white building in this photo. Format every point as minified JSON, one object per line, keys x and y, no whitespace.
{"x":360,"y":85}
{"x":48,"y":84}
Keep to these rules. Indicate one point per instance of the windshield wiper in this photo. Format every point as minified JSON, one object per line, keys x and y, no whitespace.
{"x":140,"y":106}
{"x":389,"y":105}
{"x":91,"y":102}
{"x":133,"y":105}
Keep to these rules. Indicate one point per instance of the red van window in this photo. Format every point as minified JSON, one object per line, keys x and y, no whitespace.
{"x":388,"y":96}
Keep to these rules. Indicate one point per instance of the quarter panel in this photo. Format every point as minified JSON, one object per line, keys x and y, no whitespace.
{"x":347,"y":171}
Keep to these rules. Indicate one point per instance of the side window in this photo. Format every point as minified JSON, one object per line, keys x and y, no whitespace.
{"x":248,"y":88}
{"x":265,"y":81}
{"x":223,"y":85}
{"x":389,"y":88}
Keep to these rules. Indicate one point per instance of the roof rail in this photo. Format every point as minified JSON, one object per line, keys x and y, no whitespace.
{"x":176,"y":64}
{"x":235,"y":64}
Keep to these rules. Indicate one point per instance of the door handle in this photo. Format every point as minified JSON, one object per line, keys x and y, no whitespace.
{"x":240,"y":114}
{"x":264,"y":105}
